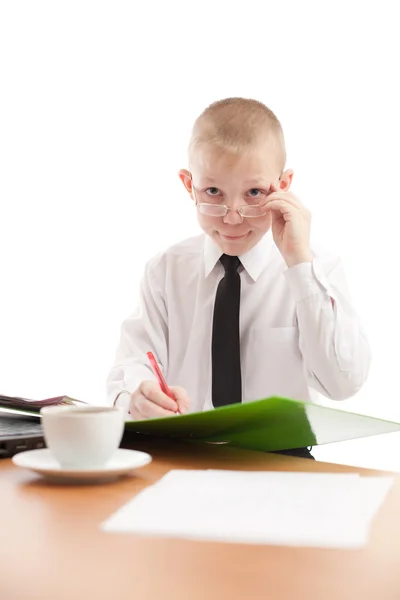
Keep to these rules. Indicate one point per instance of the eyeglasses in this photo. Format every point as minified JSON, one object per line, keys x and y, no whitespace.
{"x":246,"y":211}
{"x":220,"y":210}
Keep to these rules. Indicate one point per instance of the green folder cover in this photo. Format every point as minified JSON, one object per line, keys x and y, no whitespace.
{"x":271,"y":424}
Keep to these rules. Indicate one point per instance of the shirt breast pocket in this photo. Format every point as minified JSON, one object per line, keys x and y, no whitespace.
{"x":273,"y":364}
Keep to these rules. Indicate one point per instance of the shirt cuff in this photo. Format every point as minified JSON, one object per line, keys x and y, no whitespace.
{"x":304,"y":281}
{"x":123,"y":399}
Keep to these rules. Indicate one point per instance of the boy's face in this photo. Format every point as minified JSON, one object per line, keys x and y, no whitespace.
{"x":234,"y":182}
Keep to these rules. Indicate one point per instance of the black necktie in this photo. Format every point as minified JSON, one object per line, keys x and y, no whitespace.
{"x":225,"y":347}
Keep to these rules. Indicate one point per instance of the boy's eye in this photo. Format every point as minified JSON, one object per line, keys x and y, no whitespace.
{"x":212,"y":191}
{"x":254,"y":192}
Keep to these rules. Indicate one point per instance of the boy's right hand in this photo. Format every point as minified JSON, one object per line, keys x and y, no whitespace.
{"x":149,"y":401}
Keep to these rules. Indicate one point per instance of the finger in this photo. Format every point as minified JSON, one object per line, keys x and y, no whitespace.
{"x":181,"y":398}
{"x":148,"y":409}
{"x":152,"y":391}
{"x":286,"y":197}
{"x":142,"y":408}
{"x":271,"y":192}
{"x":281,"y":206}
{"x":286,"y":206}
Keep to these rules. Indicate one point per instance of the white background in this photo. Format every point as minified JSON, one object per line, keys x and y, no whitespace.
{"x":96,"y":104}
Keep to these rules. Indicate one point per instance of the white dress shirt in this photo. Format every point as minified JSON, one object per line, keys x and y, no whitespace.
{"x":294,"y":341}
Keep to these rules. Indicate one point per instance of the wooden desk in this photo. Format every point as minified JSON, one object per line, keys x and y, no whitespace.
{"x":51,"y":546}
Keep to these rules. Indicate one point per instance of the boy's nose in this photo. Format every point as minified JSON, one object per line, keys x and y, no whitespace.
{"x":232,"y":217}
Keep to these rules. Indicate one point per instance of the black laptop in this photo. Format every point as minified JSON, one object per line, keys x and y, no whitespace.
{"x":19,"y":433}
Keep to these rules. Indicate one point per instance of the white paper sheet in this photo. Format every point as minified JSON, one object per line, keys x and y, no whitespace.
{"x":329,"y":510}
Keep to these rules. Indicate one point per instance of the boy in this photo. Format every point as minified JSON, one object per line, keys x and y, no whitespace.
{"x":248,"y":310}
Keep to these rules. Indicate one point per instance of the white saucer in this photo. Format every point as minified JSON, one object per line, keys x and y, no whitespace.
{"x":42,"y":461}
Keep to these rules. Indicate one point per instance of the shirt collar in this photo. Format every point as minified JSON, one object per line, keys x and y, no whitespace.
{"x":253,"y":261}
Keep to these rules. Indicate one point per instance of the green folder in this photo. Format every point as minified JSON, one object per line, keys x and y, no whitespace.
{"x":270,"y":424}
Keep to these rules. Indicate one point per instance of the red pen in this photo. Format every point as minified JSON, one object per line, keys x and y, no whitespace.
{"x":159,"y":375}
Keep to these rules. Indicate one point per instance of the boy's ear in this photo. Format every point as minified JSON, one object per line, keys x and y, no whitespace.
{"x":186,"y":178}
{"x":285,"y":180}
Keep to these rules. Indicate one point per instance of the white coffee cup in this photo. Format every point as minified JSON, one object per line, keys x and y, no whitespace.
{"x":82,"y":437}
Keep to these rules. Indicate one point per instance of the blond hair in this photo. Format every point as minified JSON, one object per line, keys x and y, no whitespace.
{"x":235,"y":126}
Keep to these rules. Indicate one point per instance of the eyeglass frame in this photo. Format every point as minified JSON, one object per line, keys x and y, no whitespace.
{"x":227,"y":208}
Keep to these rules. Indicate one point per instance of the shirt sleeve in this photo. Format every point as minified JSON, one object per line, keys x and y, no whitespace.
{"x":145,"y":330}
{"x":333,"y":344}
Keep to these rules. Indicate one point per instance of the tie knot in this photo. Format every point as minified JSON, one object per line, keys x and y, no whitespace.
{"x":230,"y":263}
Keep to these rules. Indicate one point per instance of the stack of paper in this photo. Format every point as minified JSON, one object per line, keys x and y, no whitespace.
{"x":18,"y":404}
{"x":291,"y":509}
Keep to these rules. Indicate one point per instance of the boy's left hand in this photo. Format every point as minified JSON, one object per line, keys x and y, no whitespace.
{"x":291,"y":223}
